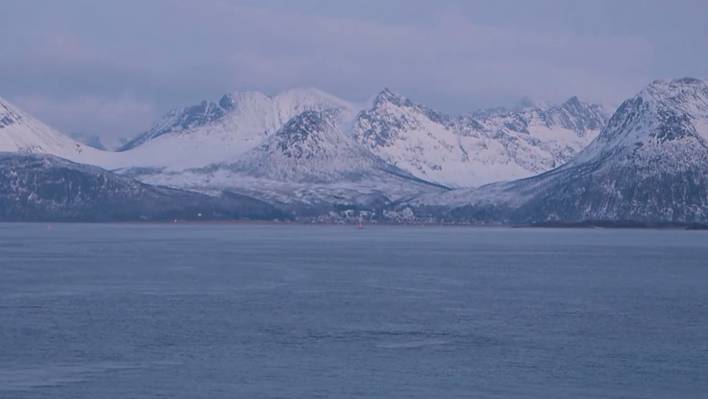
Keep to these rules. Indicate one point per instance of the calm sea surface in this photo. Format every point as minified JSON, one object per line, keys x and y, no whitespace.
{"x":260,"y":311}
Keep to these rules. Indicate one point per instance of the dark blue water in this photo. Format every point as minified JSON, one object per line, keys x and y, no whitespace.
{"x":241,"y":311}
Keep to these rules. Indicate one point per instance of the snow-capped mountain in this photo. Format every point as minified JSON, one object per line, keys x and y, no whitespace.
{"x":311,"y":147}
{"x":447,"y":150}
{"x":22,"y":133}
{"x":210,"y":133}
{"x":291,"y":149}
{"x":309,"y":165}
{"x":649,"y":164}
{"x":288,"y":149}
{"x":480,"y":148}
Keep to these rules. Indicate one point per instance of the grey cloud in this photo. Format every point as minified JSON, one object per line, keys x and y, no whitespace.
{"x":146,"y":57}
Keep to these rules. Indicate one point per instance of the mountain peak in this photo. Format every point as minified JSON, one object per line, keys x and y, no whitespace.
{"x":676,"y":89}
{"x":304,"y":126}
{"x":581,"y":108}
{"x":665,"y":119}
{"x":227,"y":102}
{"x":387,"y":96}
{"x":685,"y":81}
{"x":310,"y":147}
{"x":685,"y":95}
{"x":573,"y":102}
{"x":689,"y":80}
{"x":184,"y":118}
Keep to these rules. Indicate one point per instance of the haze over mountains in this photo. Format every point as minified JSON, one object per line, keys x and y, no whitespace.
{"x":310,"y":154}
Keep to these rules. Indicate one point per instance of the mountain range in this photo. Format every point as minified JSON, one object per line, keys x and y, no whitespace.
{"x":307,"y":154}
{"x":648,"y":165}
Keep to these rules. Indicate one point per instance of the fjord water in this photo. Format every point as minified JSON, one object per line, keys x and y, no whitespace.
{"x":269,"y":311}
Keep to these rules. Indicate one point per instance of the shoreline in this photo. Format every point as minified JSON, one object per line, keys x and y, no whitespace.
{"x":610,"y":225}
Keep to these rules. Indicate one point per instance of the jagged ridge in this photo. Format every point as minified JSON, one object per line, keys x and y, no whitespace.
{"x":479,"y":148}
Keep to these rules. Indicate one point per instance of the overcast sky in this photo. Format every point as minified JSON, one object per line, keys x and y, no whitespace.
{"x":111,"y":68}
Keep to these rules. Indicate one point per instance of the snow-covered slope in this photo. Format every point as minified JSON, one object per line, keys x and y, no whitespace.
{"x":209,"y":133}
{"x":92,"y":141}
{"x":22,"y":133}
{"x":480,"y":148}
{"x":649,"y":164}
